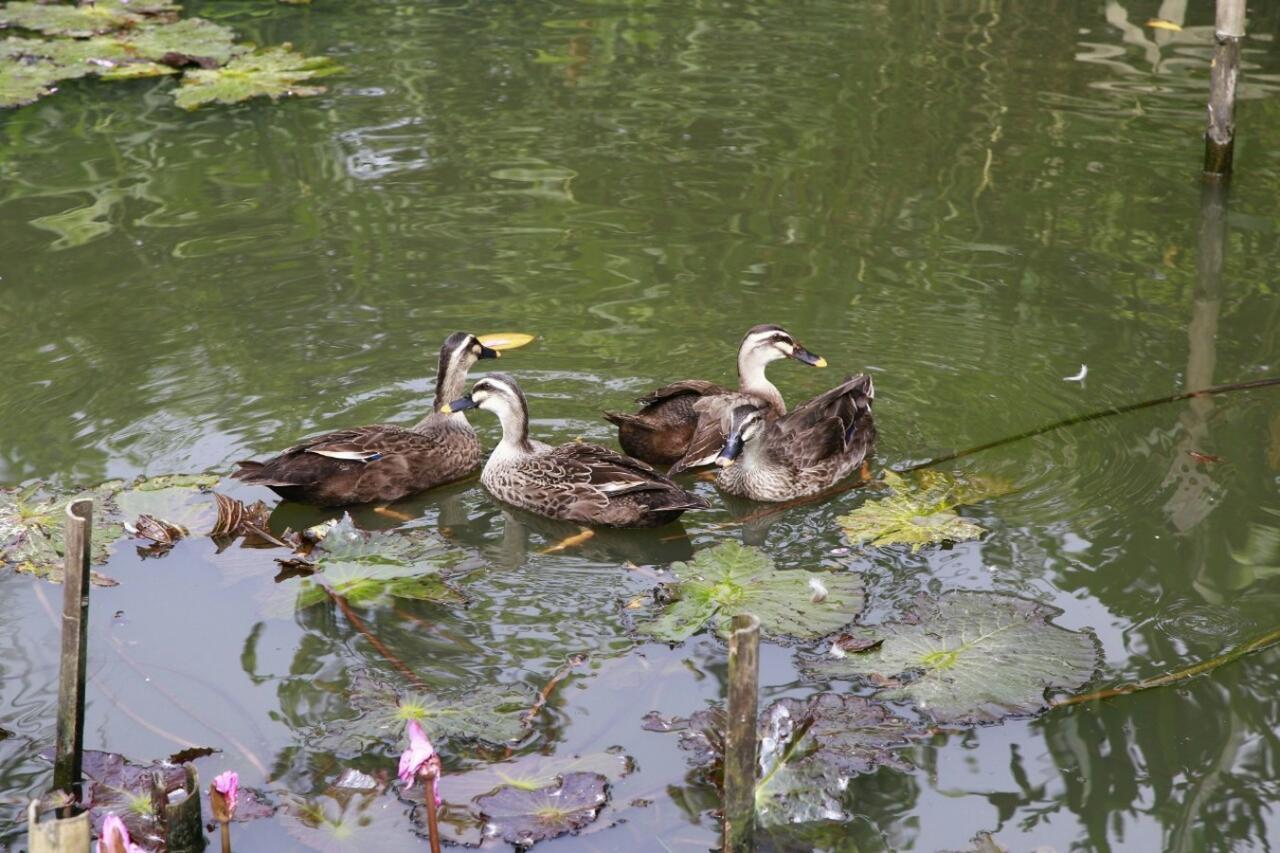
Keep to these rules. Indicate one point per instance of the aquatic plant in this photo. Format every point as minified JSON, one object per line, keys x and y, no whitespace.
{"x":114,"y":838}
{"x":731,"y":578}
{"x":967,"y":657}
{"x":920,"y":510}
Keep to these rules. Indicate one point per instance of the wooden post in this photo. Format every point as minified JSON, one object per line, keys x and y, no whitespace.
{"x":57,"y":834}
{"x":75,"y":627}
{"x":1220,"y":130}
{"x":180,"y":812}
{"x":741,"y":734}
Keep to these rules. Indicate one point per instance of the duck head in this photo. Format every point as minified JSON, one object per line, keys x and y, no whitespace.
{"x":743,"y":424}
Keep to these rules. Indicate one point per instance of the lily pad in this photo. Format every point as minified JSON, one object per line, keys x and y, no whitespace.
{"x":117,"y":785}
{"x":367,"y":568}
{"x":732,"y":578}
{"x":810,"y":748}
{"x":533,"y":772}
{"x":523,"y":817}
{"x":191,"y":41}
{"x":33,"y":527}
{"x":272,"y":72}
{"x":920,"y":511}
{"x":24,"y":83}
{"x":970,"y":657}
{"x":81,"y":20}
{"x":488,"y":712}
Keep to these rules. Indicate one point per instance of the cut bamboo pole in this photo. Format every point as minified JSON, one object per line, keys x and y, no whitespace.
{"x":75,"y":627}
{"x":1220,"y":129}
{"x":741,"y":734}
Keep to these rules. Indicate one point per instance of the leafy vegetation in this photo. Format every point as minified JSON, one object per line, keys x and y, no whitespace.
{"x":968,"y":657}
{"x":490,"y":713}
{"x":730,"y":578}
{"x":920,"y":511}
{"x":115,"y":40}
{"x":524,"y":817}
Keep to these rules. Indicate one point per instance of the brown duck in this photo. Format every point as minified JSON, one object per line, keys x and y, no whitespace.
{"x":680,"y":424}
{"x":579,"y":482}
{"x":808,"y":451}
{"x":383,"y":463}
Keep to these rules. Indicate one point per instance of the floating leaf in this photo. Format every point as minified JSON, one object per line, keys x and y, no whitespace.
{"x":191,"y":41}
{"x":809,"y":749}
{"x":82,"y":20}
{"x":532,"y":772}
{"x":272,"y":72}
{"x":33,"y":527}
{"x":523,"y":817}
{"x":970,"y":657}
{"x":117,"y":785}
{"x":488,"y":712}
{"x":731,"y":578}
{"x":24,"y":83}
{"x":920,"y":511}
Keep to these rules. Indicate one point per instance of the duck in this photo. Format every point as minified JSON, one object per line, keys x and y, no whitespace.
{"x":580,"y":482}
{"x":679,"y":424}
{"x":382,"y":463}
{"x":805,"y":452}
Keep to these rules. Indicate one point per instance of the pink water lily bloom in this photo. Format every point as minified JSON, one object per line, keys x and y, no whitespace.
{"x":420,"y":758}
{"x":115,"y":838}
{"x":228,"y":785}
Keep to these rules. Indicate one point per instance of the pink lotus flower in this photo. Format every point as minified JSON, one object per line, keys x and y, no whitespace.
{"x":420,"y":759}
{"x":115,"y":838}
{"x":228,"y":785}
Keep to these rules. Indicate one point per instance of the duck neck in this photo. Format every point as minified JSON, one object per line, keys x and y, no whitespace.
{"x":751,"y":379}
{"x":451,"y":383}
{"x":515,"y":431}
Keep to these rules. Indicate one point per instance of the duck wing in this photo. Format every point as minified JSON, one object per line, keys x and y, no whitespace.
{"x":323,"y":455}
{"x":606,"y":471}
{"x":835,"y":423}
{"x":686,"y":387}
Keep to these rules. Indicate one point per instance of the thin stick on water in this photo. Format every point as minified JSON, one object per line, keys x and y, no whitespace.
{"x":740,"y":734}
{"x":75,"y":641}
{"x":433,"y":821}
{"x":1256,"y":644}
{"x":545,"y":693}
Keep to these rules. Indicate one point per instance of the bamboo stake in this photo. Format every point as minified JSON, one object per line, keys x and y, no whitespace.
{"x":1220,"y":128}
{"x":740,"y":734}
{"x":72,"y":666}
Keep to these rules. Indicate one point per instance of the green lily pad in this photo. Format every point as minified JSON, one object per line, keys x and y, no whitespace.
{"x":969,"y":657}
{"x":492,"y":713}
{"x":731,"y":578}
{"x":920,"y":511}
{"x":532,"y":772}
{"x":272,"y":72}
{"x":367,"y":568}
{"x":26,"y":83}
{"x":809,"y":749}
{"x":33,"y":527}
{"x":523,"y":818}
{"x":191,"y":41}
{"x":80,"y":20}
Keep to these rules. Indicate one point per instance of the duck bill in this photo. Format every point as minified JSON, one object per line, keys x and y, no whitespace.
{"x":458,"y":406}
{"x":732,"y":450}
{"x":803,"y":356}
{"x":486,"y":352}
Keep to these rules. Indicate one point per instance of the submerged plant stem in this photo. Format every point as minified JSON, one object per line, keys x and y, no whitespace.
{"x":545,"y":693}
{"x":359,"y":624}
{"x":433,"y":822}
{"x":1256,"y":644}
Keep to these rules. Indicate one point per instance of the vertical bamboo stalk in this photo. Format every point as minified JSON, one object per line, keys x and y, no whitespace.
{"x":741,"y":734}
{"x":1220,"y":129}
{"x":75,"y":627}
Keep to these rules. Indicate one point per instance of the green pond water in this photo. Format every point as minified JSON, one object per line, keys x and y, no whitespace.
{"x":968,"y":200}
